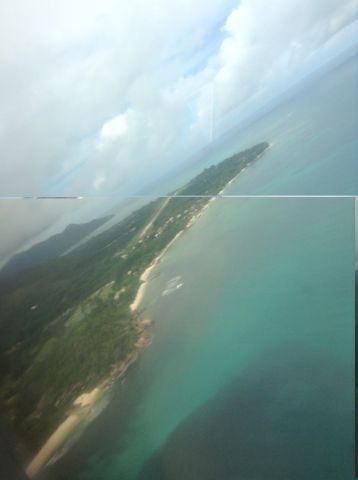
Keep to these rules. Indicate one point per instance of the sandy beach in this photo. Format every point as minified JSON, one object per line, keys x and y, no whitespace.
{"x":53,"y":443}
{"x":139,"y":296}
{"x":145,"y":275}
{"x":83,"y":403}
{"x":63,"y":432}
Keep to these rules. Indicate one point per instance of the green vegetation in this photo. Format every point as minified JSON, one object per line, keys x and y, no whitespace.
{"x":53,"y":247}
{"x":356,"y":367}
{"x":66,"y":323}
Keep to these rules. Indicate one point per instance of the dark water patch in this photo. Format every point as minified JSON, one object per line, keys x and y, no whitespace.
{"x":285,"y":418}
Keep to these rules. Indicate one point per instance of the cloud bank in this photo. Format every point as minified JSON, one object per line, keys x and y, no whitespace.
{"x":101,"y":96}
{"x":98,"y":96}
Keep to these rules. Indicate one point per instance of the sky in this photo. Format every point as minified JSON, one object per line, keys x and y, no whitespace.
{"x":102,"y":97}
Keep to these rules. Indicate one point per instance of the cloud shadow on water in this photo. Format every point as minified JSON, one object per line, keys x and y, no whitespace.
{"x":287,"y":417}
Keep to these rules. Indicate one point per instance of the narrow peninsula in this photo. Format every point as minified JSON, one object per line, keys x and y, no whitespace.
{"x":73,"y":325}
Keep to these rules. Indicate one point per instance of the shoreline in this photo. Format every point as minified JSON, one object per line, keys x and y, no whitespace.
{"x":144,"y":278}
{"x":82,"y":406}
{"x":86,"y":401}
{"x":56,"y":440}
{"x":270,"y":145}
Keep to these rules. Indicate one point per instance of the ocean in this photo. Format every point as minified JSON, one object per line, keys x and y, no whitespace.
{"x":251,"y":371}
{"x":315,"y":143}
{"x":250,"y":374}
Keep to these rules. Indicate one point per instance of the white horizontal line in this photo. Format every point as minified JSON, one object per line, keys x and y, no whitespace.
{"x":28,"y":197}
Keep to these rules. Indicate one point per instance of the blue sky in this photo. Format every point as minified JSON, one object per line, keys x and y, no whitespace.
{"x":71,"y":70}
{"x":103,"y":96}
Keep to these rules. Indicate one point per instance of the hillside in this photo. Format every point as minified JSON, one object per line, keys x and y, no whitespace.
{"x":53,"y":247}
{"x":75,"y":310}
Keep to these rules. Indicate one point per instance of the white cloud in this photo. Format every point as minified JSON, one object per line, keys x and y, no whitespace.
{"x":268,"y":44}
{"x":103,"y":96}
{"x":99,"y":181}
{"x":67,"y":67}
{"x":114,"y":128}
{"x":80,"y":74}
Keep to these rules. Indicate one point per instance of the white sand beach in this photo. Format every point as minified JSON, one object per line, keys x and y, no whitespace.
{"x":62,"y":433}
{"x":145,"y":275}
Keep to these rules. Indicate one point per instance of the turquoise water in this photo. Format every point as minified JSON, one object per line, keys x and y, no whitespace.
{"x":255,"y":350}
{"x":251,"y":371}
{"x":315,"y":143}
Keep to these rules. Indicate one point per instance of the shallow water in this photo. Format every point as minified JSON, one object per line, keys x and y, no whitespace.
{"x":250,"y":374}
{"x":252,"y":360}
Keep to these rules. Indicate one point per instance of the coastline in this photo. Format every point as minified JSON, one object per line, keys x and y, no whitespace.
{"x":86,"y":401}
{"x":51,"y":446}
{"x":222,"y":191}
{"x":145,"y":275}
{"x":83,"y":405}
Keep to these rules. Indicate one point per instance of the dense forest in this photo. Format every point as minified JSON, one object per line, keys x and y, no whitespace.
{"x":356,"y":371}
{"x":66,"y":322}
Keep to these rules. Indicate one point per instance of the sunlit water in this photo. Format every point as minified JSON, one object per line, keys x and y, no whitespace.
{"x":252,"y":361}
{"x":314,"y":137}
{"x":250,"y":374}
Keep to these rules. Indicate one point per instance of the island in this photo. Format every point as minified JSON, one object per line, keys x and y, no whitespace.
{"x":72,"y":325}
